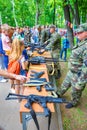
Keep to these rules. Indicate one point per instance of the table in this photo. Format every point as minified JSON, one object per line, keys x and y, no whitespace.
{"x":24,"y":112}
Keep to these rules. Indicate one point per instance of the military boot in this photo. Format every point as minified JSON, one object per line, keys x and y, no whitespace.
{"x":58,"y":74}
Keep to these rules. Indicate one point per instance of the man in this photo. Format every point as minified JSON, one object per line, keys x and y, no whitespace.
{"x":54,"y":44}
{"x":76,"y":77}
{"x":45,"y":35}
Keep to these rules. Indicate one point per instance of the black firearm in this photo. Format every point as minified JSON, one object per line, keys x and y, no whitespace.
{"x":38,"y":83}
{"x":34,"y":47}
{"x":40,"y":59}
{"x":41,"y":100}
{"x":37,"y":47}
{"x":36,"y":74}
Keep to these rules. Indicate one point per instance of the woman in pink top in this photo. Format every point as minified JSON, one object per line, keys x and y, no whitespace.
{"x":6,"y":43}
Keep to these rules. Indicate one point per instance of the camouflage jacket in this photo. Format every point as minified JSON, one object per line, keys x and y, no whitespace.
{"x":45,"y":35}
{"x":54,"y":41}
{"x":78,"y":57}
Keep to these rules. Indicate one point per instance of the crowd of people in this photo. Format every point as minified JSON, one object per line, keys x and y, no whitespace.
{"x":14,"y":44}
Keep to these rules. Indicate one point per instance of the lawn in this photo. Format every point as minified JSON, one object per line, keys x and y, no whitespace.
{"x":75,"y":118}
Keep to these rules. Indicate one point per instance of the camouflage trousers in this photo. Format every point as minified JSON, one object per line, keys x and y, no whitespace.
{"x":56,"y":65}
{"x":71,"y":80}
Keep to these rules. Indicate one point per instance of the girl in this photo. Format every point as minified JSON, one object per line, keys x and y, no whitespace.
{"x":16,"y":55}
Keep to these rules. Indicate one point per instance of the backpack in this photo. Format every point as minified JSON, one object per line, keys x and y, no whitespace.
{"x":14,"y":67}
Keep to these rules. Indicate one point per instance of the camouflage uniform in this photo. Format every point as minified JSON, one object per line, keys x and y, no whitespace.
{"x":75,"y":75}
{"x":27,"y":36}
{"x":45,"y":35}
{"x":55,"y":45}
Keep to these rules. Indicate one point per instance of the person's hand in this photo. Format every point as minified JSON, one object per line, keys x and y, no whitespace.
{"x":20,"y":77}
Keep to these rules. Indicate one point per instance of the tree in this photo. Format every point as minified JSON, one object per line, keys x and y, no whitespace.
{"x":68,"y":20}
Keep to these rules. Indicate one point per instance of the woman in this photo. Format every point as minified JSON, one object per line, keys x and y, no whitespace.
{"x":16,"y":55}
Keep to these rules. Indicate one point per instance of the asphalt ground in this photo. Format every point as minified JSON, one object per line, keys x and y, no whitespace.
{"x":9,"y":114}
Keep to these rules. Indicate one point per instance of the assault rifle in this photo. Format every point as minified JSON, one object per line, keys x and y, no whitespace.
{"x":38,"y":83}
{"x":40,"y":60}
{"x":34,"y":47}
{"x":41,"y":100}
{"x":38,"y":47}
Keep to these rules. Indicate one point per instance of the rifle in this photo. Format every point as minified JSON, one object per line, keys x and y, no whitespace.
{"x":38,"y":83}
{"x":41,"y":100}
{"x":34,"y":47}
{"x":40,"y":59}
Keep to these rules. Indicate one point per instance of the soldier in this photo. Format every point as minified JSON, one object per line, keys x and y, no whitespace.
{"x":45,"y":35}
{"x":27,"y":36}
{"x":54,"y":44}
{"x":77,"y":73}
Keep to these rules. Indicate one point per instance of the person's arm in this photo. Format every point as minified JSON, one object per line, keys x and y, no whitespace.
{"x":12,"y":76}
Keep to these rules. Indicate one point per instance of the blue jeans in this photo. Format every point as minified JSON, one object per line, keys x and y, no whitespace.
{"x":6,"y":60}
{"x":2,"y":66}
{"x":63,"y":53}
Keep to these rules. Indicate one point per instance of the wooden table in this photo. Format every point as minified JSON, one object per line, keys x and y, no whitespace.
{"x":24,"y":112}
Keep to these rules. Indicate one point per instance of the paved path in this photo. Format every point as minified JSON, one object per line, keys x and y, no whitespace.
{"x":9,"y":114}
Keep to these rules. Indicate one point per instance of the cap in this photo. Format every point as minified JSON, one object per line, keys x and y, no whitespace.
{"x":82,"y":28}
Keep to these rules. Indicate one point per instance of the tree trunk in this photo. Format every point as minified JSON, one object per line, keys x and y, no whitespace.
{"x":67,"y":18}
{"x":77,"y":18}
{"x":54,"y":13}
{"x":37,"y":13}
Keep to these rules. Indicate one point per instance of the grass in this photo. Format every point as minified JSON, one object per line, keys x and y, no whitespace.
{"x":75,"y":118}
{"x":66,"y":124}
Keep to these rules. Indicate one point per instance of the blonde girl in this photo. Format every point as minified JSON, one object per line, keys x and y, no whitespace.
{"x":16,"y":54}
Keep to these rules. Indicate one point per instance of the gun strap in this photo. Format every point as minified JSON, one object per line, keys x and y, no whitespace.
{"x":49,"y":120}
{"x":33,"y":114}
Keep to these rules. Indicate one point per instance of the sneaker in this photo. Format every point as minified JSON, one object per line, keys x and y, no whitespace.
{"x":3,"y":81}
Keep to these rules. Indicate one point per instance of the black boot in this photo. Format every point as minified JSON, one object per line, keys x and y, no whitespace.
{"x":69,"y":105}
{"x":59,"y":74}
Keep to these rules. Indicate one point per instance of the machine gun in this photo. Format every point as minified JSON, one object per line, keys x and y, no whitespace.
{"x":40,"y":60}
{"x":41,"y":100}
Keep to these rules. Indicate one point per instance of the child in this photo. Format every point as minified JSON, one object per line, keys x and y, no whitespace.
{"x":16,"y":54}
{"x":65,"y":46}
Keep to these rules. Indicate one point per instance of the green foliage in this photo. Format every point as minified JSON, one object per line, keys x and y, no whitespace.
{"x":25,"y":11}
